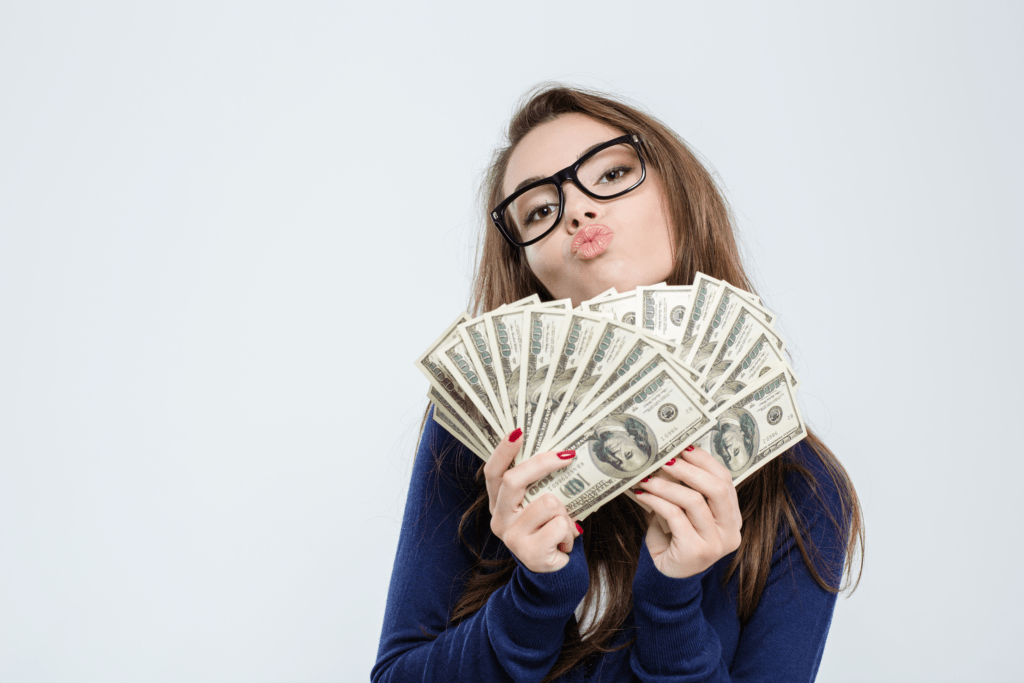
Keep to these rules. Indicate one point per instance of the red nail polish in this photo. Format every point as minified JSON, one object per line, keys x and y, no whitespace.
{"x":514,"y":436}
{"x":638,"y":491}
{"x":645,"y":480}
{"x":566,"y":455}
{"x":689,"y":448}
{"x":579,"y":528}
{"x":670,"y":462}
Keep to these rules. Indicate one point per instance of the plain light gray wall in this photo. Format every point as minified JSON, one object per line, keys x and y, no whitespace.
{"x":227,"y":230}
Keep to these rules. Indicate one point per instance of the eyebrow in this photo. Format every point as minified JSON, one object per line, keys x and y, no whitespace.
{"x":540,"y":177}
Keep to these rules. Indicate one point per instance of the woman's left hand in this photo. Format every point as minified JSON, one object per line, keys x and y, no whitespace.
{"x":703,"y":515}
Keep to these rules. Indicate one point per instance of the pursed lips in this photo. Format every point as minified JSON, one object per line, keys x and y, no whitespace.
{"x":591,"y":241}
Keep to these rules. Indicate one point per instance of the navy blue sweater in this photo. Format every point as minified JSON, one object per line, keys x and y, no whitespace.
{"x":684,"y":629}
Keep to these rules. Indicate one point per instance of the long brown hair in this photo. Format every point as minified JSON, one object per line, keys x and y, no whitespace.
{"x":704,"y":241}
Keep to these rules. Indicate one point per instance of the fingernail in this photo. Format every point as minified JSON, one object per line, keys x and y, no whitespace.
{"x":645,"y":480}
{"x":670,"y":462}
{"x":689,"y":448}
{"x":579,"y":528}
{"x":514,"y":436}
{"x":561,"y":547}
{"x":566,"y":455}
{"x":638,"y":491}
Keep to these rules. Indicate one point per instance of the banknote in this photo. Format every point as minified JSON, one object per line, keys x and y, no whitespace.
{"x":622,"y":444}
{"x":578,"y":338}
{"x":541,"y":348}
{"x":740,"y":334}
{"x":727,"y":302}
{"x":456,"y":426}
{"x":474,"y":335}
{"x":430,"y":364}
{"x":704,"y":290}
{"x":610,"y":379}
{"x":755,"y":425}
{"x":454,"y":355}
{"x":613,"y":339}
{"x":662,"y":310}
{"x":762,"y":358}
{"x":619,"y":307}
{"x":505,"y":336}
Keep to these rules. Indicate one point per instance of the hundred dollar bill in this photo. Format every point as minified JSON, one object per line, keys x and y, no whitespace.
{"x":739,"y":334}
{"x":635,"y":352}
{"x":505,"y":337}
{"x":763,"y":358}
{"x":728,"y":301}
{"x":620,"y":307}
{"x":640,"y":371}
{"x":456,"y":358}
{"x":755,"y":425}
{"x":621,"y":445}
{"x":543,"y":328}
{"x":456,"y":428}
{"x":662,"y":309}
{"x":429,"y":363}
{"x":474,"y":335}
{"x":578,"y":338}
{"x":705,"y":288}
{"x":612,"y":339}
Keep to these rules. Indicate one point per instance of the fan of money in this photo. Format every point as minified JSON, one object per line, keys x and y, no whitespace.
{"x":627,"y":380}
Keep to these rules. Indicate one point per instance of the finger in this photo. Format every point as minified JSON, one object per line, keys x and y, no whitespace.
{"x":499,"y":463}
{"x":557,"y":534}
{"x":707,"y":462}
{"x":514,"y":482}
{"x":540,"y":512}
{"x":692,"y":502}
{"x":721,"y":495}
{"x":678,"y":523}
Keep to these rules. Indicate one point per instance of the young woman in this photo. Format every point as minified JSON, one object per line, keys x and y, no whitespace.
{"x":743,"y":586}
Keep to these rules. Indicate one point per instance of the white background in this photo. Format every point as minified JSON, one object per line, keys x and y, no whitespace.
{"x":227,"y":230}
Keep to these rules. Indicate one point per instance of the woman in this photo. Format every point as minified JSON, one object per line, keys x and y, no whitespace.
{"x":485,"y":590}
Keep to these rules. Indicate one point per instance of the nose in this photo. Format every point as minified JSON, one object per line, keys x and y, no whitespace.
{"x":578,"y":206}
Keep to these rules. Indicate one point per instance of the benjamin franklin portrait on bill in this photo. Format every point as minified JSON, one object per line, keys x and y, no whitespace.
{"x":621,"y":446}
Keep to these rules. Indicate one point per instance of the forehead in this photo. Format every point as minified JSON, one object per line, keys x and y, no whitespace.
{"x":552,"y":146}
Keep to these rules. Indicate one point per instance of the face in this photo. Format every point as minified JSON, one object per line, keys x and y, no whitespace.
{"x":637,"y":224}
{"x":736,"y":452}
{"x":623,"y":453}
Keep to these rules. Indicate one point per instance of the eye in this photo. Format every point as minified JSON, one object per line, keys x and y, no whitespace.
{"x":615,"y":173}
{"x":539,"y":213}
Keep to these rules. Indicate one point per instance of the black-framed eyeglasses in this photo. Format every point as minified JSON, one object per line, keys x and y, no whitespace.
{"x":608,"y":171}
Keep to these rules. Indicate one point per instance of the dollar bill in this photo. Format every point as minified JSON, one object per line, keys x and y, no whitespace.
{"x":578,"y":338}
{"x":505,"y":335}
{"x":431,"y":365}
{"x":541,"y":348}
{"x":662,"y":310}
{"x":455,"y":427}
{"x":624,"y":443}
{"x":456,"y":358}
{"x":755,"y":425}
{"x":728,"y":301}
{"x":705,"y":289}
{"x":612,"y":340}
{"x":740,"y":333}
{"x":474,"y":335}
{"x":762,"y":358}
{"x":619,"y":307}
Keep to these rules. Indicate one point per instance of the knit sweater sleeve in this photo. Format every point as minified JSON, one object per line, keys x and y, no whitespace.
{"x":518,"y":633}
{"x":784,"y":639}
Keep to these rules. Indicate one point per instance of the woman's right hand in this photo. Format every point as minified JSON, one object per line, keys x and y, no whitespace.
{"x":541,"y":534}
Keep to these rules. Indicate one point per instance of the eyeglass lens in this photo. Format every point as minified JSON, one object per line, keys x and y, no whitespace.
{"x":609,"y":172}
